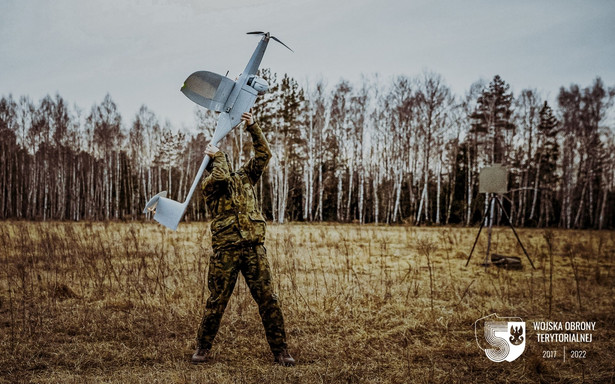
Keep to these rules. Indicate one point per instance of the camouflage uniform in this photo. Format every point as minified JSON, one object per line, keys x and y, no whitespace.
{"x":238,"y":234}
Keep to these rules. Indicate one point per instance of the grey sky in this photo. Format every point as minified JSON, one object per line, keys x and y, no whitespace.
{"x":141,"y":51}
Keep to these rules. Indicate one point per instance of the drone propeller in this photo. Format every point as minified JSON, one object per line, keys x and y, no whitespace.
{"x":268,"y":35}
{"x":279,"y":41}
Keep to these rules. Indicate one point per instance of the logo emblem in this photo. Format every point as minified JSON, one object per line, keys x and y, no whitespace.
{"x":505,"y":337}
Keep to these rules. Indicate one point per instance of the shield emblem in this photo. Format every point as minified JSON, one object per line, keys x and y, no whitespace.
{"x":503,"y":337}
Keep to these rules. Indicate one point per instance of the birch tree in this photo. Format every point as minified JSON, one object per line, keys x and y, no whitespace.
{"x":434,"y":100}
{"x":583,"y":114}
{"x":106,"y":121}
{"x":527,"y":108}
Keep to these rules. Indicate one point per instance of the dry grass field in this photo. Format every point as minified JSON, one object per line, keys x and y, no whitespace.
{"x":118,"y":302}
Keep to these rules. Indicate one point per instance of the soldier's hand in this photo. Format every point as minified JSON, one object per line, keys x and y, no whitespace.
{"x":248,"y":118}
{"x":211,"y":150}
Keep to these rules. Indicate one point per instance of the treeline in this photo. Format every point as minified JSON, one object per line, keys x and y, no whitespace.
{"x":403,"y":150}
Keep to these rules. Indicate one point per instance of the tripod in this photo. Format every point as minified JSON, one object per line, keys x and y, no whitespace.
{"x":490,"y":205}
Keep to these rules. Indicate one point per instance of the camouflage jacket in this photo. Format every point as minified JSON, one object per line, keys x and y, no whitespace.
{"x":231,"y":199}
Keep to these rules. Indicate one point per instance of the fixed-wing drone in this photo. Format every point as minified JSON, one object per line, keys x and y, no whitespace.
{"x":220,"y":94}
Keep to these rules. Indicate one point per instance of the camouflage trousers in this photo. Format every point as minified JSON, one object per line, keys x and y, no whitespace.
{"x":224,"y":268}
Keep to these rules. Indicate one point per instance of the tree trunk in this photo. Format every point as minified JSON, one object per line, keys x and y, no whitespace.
{"x":438,"y":190}
{"x":361,"y":194}
{"x":396,"y":207}
{"x":605,"y":195}
{"x":469,"y":192}
{"x":283,"y":198}
{"x":376,"y":201}
{"x":421,"y":203}
{"x":338,"y":208}
{"x":577,"y":218}
{"x":118,"y":171}
{"x":536,"y":187}
{"x":350,"y":184}
{"x":320,"y":193}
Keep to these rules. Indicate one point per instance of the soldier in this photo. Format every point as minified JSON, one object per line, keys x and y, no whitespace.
{"x":238,"y":234}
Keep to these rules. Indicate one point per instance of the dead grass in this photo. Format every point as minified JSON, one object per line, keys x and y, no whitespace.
{"x":112,"y":302}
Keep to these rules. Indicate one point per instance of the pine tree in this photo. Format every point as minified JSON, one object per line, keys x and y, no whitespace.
{"x":546,"y":163}
{"x":492,"y":118}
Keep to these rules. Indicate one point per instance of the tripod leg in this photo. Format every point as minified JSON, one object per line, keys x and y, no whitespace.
{"x":482,"y":223}
{"x":491,"y":206}
{"x":515,"y":232}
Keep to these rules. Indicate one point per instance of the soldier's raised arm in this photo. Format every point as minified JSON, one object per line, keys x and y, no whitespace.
{"x":256,"y":165}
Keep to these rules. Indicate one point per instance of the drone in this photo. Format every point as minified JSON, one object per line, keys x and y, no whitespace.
{"x":231,"y":98}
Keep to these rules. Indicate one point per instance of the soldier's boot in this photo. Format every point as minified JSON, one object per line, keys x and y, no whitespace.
{"x":284,"y":358}
{"x":200,"y":355}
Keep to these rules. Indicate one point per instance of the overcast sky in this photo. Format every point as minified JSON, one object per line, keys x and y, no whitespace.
{"x":140,"y":52}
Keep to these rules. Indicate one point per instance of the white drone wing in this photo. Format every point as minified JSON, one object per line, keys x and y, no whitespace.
{"x":208,"y":89}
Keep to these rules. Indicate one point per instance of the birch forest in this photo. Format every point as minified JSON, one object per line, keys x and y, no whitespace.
{"x":399,"y":150}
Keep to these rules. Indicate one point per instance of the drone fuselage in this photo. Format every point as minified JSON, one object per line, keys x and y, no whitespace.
{"x":220,"y":94}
